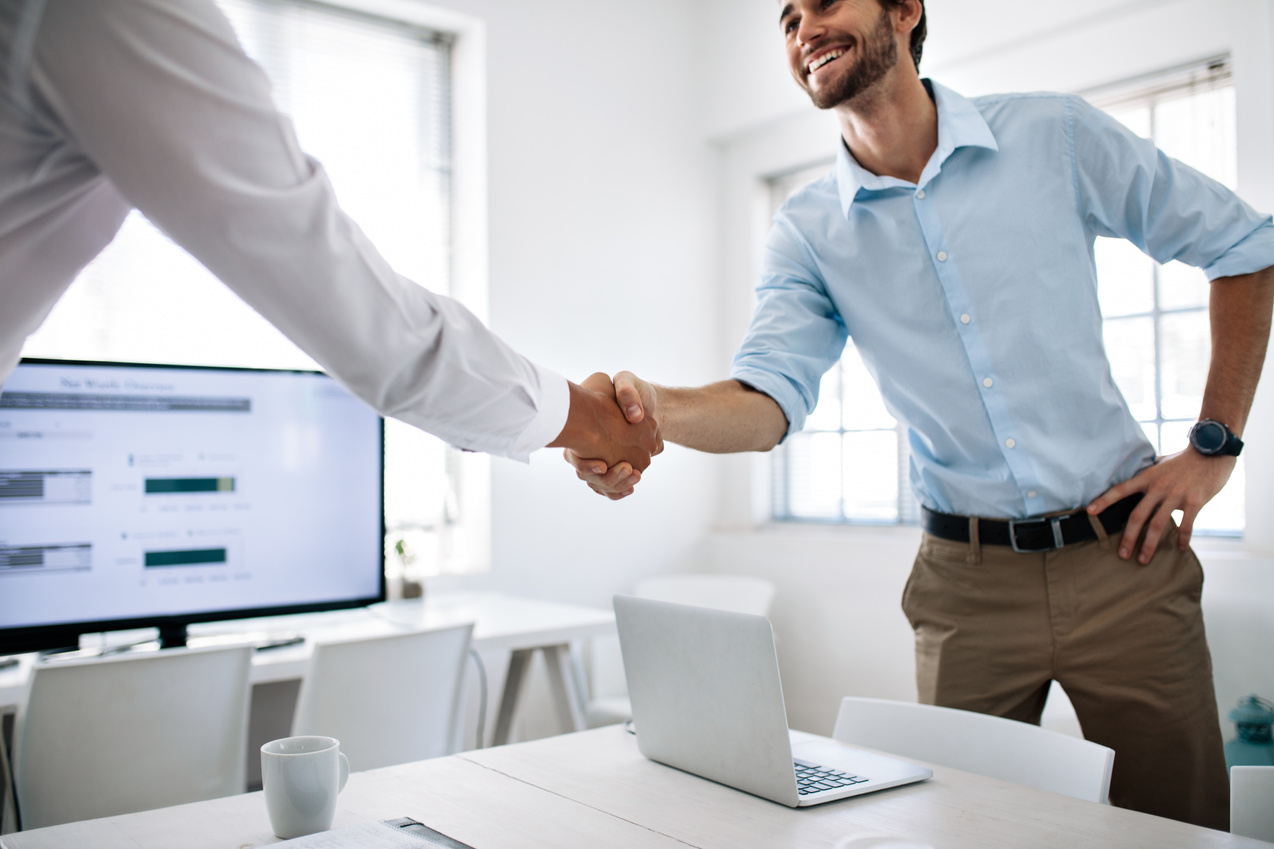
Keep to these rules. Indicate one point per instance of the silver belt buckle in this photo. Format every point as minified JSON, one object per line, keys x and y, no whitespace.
{"x":1054,"y":521}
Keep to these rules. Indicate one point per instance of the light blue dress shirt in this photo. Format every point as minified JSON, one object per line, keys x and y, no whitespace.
{"x":972,"y":295}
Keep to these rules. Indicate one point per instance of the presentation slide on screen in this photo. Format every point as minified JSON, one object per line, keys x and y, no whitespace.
{"x":136,"y":492}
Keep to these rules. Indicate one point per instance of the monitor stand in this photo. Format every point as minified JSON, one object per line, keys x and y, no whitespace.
{"x":172,"y":636}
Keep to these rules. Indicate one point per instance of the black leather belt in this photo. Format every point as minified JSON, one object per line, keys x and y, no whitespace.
{"x":1044,"y":533}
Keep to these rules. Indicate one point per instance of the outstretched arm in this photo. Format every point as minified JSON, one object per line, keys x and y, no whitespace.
{"x":1240,"y":309}
{"x":719,"y":418}
{"x":159,"y":97}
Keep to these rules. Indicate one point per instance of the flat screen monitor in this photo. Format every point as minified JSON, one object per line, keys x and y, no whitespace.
{"x":139,"y":496}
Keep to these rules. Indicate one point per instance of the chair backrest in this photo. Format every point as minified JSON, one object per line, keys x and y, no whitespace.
{"x":111,"y":736}
{"x":739,"y":593}
{"x":1252,"y":802}
{"x":974,"y":742}
{"x":388,"y":699}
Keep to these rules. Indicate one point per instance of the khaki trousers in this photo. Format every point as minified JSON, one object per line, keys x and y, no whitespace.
{"x":1126,"y":642}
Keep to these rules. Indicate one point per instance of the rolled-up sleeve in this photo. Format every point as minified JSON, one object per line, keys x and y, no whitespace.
{"x":796,"y":334}
{"x":161,"y":98}
{"x":1128,"y":188}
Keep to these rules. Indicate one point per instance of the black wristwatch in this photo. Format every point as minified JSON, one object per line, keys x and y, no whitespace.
{"x":1212,"y":438}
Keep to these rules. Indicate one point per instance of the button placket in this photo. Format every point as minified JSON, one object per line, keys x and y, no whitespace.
{"x":1000,"y":419}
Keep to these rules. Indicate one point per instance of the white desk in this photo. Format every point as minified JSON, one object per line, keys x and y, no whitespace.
{"x":501,"y":623}
{"x":593,"y":789}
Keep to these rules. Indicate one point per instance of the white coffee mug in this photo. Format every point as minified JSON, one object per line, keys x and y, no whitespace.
{"x":302,"y":776}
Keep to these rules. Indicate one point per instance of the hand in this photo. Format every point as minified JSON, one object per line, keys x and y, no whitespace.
{"x":1184,"y":482}
{"x":597,"y":427}
{"x":637,"y":399}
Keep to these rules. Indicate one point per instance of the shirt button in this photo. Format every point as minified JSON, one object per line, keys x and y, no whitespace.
{"x":1032,"y":494}
{"x":942,"y":256}
{"x":965,"y":319}
{"x":920,"y":195}
{"x":988,"y":382}
{"x":1010,"y":442}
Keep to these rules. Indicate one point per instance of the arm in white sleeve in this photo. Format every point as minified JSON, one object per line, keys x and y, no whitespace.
{"x":159,"y":95}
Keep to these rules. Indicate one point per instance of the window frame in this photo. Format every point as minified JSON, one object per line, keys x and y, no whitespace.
{"x":463,"y":545}
{"x":458,"y":539}
{"x":1150,"y":91}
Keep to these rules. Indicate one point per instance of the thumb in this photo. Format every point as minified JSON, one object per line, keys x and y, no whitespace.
{"x":628,"y":397}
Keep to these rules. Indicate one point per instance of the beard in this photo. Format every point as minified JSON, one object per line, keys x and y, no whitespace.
{"x":877,"y":55}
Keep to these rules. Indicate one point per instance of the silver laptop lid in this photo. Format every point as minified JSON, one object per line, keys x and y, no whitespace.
{"x":706,"y":694}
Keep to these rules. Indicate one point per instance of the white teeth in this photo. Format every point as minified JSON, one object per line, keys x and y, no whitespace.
{"x":824,"y":59}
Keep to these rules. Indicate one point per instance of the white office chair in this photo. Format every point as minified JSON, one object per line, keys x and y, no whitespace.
{"x":975,"y":742}
{"x":739,"y":593}
{"x":101,"y":737}
{"x":1252,"y":802}
{"x":389,"y":700}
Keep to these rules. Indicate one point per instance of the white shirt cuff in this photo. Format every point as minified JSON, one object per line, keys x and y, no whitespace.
{"x":552,"y":410}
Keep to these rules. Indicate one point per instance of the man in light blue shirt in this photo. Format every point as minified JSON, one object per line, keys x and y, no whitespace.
{"x":954,"y":243}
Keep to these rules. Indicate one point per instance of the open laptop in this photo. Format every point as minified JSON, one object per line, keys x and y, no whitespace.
{"x":706,"y":699}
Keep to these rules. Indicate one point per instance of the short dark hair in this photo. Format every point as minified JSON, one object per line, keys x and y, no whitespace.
{"x":918,"y":34}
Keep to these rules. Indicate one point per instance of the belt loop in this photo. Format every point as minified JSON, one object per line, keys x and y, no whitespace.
{"x":974,"y":557}
{"x":1103,"y":539}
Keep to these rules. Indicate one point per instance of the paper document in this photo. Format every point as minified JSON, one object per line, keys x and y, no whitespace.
{"x":392,"y":834}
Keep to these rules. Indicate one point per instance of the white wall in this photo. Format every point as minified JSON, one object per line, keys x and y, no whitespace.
{"x":837,"y":614}
{"x":601,"y":235}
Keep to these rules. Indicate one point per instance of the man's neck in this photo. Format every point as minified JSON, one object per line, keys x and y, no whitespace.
{"x":892,"y":129}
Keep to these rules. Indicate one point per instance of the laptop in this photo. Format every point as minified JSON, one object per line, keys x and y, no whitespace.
{"x":707,"y":699}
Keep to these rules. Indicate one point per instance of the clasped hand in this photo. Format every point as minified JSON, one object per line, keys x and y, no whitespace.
{"x":636,"y":399}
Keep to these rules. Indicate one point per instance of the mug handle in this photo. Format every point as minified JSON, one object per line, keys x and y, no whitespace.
{"x":344,"y":771}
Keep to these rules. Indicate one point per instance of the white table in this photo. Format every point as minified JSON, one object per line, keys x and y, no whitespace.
{"x":501,"y":623}
{"x":593,"y":789}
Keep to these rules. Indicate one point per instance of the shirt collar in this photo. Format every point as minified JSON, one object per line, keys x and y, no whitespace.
{"x":960,"y":124}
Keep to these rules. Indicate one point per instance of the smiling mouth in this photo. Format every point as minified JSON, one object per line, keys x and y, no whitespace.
{"x":823,"y":60}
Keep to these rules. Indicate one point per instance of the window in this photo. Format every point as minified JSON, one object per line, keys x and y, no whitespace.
{"x":850,"y":464}
{"x":370,"y":98}
{"x":1156,"y":316}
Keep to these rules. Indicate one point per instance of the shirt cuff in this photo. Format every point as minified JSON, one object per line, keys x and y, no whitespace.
{"x":554,"y":405}
{"x":1254,"y":252}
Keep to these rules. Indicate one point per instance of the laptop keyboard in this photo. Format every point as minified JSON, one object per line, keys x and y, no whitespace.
{"x":812,"y":778}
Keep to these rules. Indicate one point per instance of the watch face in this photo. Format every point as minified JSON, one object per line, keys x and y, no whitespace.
{"x":1208,"y":437}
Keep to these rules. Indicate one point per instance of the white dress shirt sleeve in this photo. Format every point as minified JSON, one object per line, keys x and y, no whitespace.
{"x":161,"y":98}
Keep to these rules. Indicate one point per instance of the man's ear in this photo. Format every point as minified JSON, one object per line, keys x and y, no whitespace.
{"x":908,"y":12}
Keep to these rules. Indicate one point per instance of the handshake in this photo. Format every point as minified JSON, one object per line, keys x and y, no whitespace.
{"x":611,"y":432}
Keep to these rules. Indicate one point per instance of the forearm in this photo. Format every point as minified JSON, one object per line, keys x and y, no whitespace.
{"x":1239,"y":310}
{"x":720,"y":418}
{"x":1240,"y":315}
